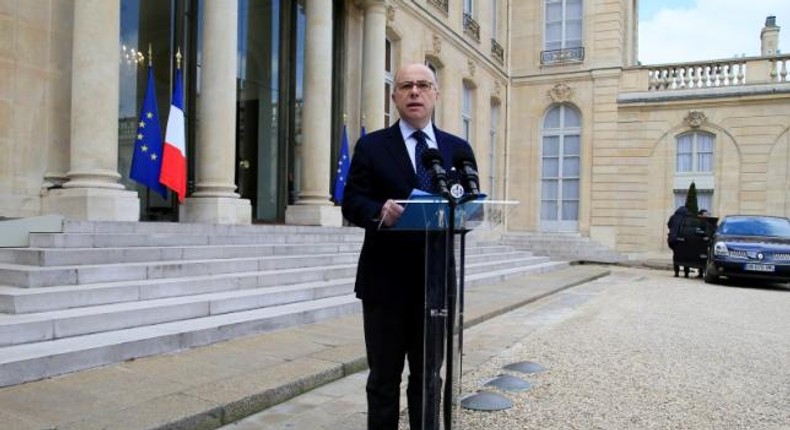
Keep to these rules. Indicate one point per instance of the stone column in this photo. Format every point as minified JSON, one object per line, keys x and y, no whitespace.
{"x":373,"y":42}
{"x":313,"y":206}
{"x":92,"y":191}
{"x":215,"y":199}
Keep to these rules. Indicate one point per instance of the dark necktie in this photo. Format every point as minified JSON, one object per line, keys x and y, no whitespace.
{"x":423,"y":176}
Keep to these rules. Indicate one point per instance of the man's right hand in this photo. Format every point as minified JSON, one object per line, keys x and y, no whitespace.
{"x":390,"y":213}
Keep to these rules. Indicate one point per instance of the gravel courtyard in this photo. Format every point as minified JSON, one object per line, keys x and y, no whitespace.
{"x":651,"y":352}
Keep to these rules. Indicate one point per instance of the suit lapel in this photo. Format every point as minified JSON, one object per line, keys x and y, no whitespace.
{"x":444,"y":148}
{"x":397,"y":150}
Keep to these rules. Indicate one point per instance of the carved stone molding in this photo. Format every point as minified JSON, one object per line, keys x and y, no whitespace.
{"x":560,"y":93}
{"x":472,"y":66}
{"x":696,"y":119}
{"x":437,"y":44}
{"x":497,"y":89}
{"x":390,"y":15}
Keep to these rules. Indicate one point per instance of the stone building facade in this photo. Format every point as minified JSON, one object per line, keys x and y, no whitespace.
{"x":550,"y":93}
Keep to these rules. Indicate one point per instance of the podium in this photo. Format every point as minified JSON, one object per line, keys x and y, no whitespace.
{"x":445,"y":224}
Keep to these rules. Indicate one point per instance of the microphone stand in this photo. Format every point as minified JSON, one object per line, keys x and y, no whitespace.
{"x":452,"y":296}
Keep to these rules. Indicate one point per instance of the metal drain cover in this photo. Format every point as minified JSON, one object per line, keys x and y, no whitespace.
{"x":508,"y":383}
{"x":486,"y":401}
{"x":525,"y":367}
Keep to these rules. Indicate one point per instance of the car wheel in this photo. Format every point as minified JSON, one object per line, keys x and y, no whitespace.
{"x":709,"y":277}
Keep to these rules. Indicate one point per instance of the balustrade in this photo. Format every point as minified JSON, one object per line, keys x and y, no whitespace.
{"x":779,"y":69}
{"x":718,"y":73}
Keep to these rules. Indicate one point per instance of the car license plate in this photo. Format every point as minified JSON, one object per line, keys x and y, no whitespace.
{"x":759,"y":267}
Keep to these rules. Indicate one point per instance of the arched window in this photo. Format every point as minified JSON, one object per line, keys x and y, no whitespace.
{"x":560,"y":169}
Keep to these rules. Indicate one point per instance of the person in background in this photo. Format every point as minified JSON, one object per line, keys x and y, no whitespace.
{"x":703,"y":213}
{"x":391,"y":274}
{"x":674,"y":224}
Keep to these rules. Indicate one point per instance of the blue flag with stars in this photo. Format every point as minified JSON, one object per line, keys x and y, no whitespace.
{"x":342,"y":169}
{"x":147,"y":157}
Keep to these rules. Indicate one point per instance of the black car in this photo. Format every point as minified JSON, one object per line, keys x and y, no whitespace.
{"x":750,"y":246}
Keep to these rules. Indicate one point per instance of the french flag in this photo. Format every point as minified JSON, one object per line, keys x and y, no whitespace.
{"x":174,"y":153}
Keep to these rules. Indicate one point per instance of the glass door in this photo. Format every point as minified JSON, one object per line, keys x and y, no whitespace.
{"x":560,"y":170}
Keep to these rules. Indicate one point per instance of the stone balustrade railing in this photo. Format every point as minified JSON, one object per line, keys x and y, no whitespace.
{"x":718,"y":73}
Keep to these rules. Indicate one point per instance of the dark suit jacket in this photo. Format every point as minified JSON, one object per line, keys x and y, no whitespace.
{"x":391,"y":264}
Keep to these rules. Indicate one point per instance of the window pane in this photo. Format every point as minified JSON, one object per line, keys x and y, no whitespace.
{"x":551,"y":167}
{"x":551,"y":146}
{"x":570,"y":167}
{"x":573,"y":32}
{"x":549,"y":189}
{"x":570,"y":189}
{"x":570,"y":211}
{"x":704,"y":152}
{"x":553,"y":12}
{"x":573,"y":9}
{"x":570,"y":145}
{"x":552,"y":118}
{"x":684,"y":154}
{"x":553,"y":33}
{"x":571,"y":117}
{"x":548,"y":210}
{"x":705,"y":200}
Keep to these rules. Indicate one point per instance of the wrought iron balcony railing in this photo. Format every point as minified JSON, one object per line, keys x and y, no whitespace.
{"x":559,"y":56}
{"x":471,"y":27}
{"x":497,"y":51}
{"x":443,"y":5}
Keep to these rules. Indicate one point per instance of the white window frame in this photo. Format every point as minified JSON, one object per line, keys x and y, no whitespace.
{"x":561,"y":132}
{"x":565,"y":22}
{"x":466,"y":111}
{"x":469,"y":7}
{"x":697,"y":151}
{"x":494,"y":19}
{"x":389,"y":77}
{"x":493,"y":136}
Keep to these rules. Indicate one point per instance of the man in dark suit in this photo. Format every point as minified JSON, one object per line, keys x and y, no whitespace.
{"x":391,"y":273}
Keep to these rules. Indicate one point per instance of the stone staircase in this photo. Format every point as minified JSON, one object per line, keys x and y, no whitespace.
{"x":99,"y":293}
{"x":567,"y":246}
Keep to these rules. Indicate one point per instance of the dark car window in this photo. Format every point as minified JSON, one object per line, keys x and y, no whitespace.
{"x":777,"y":227}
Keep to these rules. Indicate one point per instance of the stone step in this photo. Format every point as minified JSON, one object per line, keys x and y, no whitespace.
{"x":17,"y":300}
{"x":87,"y":256}
{"x":36,"y":277}
{"x":114,"y":240}
{"x":34,"y":361}
{"x":73,"y":226}
{"x":27,"y":300}
{"x":37,"y":327}
{"x":27,"y":362}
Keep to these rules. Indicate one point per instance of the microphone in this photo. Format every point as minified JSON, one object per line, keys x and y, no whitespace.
{"x":432,"y":161}
{"x":464,"y":161}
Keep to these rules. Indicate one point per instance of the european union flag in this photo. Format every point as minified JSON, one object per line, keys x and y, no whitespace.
{"x":342,"y":169}
{"x":147,"y":157}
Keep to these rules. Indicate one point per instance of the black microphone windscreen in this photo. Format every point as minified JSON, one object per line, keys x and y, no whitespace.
{"x":430,"y":156}
{"x":463,"y":154}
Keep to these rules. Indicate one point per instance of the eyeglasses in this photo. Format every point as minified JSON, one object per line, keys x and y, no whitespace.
{"x":422,"y":86}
